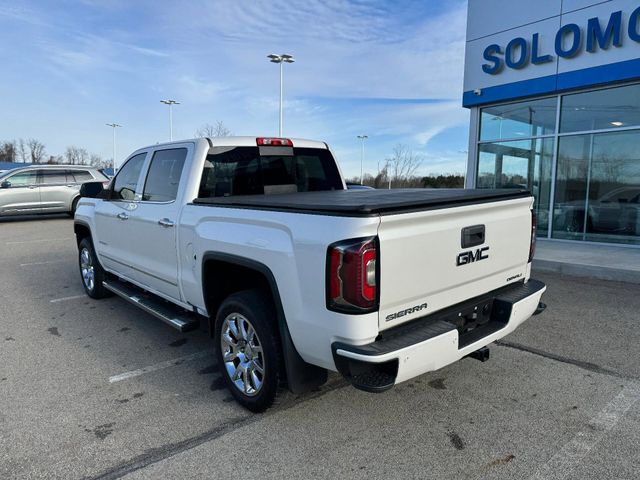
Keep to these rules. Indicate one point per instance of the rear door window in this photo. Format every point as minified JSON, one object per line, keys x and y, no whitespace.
{"x":52,"y":177}
{"x":126,"y":181}
{"x":79,"y":176}
{"x":163,"y":177}
{"x":253,"y":171}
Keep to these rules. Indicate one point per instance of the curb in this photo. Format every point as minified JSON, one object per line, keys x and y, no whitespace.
{"x":588,"y":271}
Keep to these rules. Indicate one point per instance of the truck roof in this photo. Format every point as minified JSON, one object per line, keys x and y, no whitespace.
{"x":242,"y":141}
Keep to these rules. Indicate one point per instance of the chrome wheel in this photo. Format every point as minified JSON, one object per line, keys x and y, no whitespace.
{"x":86,"y":269}
{"x":242,"y":354}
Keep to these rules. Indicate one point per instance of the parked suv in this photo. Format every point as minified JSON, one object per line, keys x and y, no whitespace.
{"x":44,"y":188}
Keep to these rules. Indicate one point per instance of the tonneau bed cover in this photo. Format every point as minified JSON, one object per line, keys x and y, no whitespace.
{"x":365,"y":202}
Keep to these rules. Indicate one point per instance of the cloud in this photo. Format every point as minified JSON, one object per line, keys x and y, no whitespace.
{"x":392,"y":70}
{"x":424,"y":136}
{"x":198,"y":89}
{"x":342,"y":48}
{"x":147,"y":51}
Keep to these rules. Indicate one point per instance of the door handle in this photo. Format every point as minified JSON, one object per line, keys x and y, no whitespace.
{"x":123,"y":216}
{"x":165,"y":222}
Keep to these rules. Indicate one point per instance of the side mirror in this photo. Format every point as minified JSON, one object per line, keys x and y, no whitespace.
{"x":91,"y":189}
{"x":5,"y":184}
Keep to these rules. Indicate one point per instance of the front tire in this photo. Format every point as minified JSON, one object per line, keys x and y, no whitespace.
{"x":91,"y":271}
{"x":248,"y":348}
{"x":74,"y":206}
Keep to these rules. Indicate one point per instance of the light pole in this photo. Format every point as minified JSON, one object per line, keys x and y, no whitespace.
{"x":114,"y":126}
{"x":362,"y":138}
{"x":171,"y":103}
{"x":281,"y":59}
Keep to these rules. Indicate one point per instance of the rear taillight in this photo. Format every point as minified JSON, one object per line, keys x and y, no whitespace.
{"x":532,"y":247}
{"x":274,"y":142}
{"x":352,"y":276}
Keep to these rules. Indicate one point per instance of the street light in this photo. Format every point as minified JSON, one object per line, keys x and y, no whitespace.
{"x":114,"y":126}
{"x":171,"y":103}
{"x":362,"y":138}
{"x":281,"y":59}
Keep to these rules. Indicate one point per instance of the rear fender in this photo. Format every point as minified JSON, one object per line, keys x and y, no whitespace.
{"x":301,"y":376}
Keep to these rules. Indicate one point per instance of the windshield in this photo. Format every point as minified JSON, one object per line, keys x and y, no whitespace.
{"x":268,"y":170}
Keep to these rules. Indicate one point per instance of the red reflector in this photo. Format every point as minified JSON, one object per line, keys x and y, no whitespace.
{"x":274,"y":142}
{"x":534,"y":228}
{"x":335,"y":260}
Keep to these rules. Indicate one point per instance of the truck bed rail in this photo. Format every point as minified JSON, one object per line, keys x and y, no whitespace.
{"x":363,"y":203}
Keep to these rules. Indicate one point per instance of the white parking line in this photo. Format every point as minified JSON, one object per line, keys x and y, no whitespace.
{"x":158,"y":366}
{"x":38,"y":241}
{"x":64,"y":299}
{"x":41,"y":263}
{"x":569,"y":456}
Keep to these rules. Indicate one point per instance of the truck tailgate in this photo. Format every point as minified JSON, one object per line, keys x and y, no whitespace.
{"x":424,"y":267}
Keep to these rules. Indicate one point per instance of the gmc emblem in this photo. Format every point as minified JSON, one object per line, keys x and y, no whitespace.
{"x":472,"y":256}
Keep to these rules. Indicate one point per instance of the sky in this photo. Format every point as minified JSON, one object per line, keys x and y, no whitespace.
{"x":389,"y":70}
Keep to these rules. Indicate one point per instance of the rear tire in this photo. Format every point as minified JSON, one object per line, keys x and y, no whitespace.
{"x":91,"y":271}
{"x":248,"y":348}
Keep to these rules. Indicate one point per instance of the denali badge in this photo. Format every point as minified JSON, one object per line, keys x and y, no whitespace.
{"x":408,"y":311}
{"x":472,"y":256}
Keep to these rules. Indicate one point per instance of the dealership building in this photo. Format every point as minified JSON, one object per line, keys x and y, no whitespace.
{"x":553,"y":88}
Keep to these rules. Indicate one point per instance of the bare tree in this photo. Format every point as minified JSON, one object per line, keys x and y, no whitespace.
{"x":403,"y":164}
{"x":36,"y":150}
{"x":381,"y":180}
{"x":99,"y":162}
{"x":55,"y":160}
{"x":76,"y":155}
{"x":8,"y":152}
{"x":22,"y":151}
{"x":217,"y":130}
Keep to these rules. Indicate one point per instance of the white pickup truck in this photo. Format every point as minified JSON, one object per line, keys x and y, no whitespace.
{"x":294,"y":275}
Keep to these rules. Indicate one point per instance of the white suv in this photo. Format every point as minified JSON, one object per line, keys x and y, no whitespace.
{"x":44,"y":188}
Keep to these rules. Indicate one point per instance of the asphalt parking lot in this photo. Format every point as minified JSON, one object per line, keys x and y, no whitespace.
{"x":100,"y":389}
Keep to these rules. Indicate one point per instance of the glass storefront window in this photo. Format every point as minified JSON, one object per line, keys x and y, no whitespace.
{"x":602,"y":109}
{"x":597,"y":169}
{"x":571,"y":187}
{"x":598,"y":188}
{"x":519,"y":164}
{"x":523,"y":119}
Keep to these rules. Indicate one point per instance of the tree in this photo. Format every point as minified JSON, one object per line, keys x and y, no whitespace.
{"x":211,"y":131}
{"x":22,"y":151}
{"x":403,"y":164}
{"x":36,"y":150}
{"x":99,"y":162}
{"x":443,"y":181}
{"x":55,"y":160}
{"x":76,"y":155}
{"x":381,"y":180}
{"x":8,"y":151}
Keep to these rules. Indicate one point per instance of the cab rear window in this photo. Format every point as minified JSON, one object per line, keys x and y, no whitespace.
{"x":267,"y":170}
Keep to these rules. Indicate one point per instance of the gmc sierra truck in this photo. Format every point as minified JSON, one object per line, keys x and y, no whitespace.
{"x":294,"y":275}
